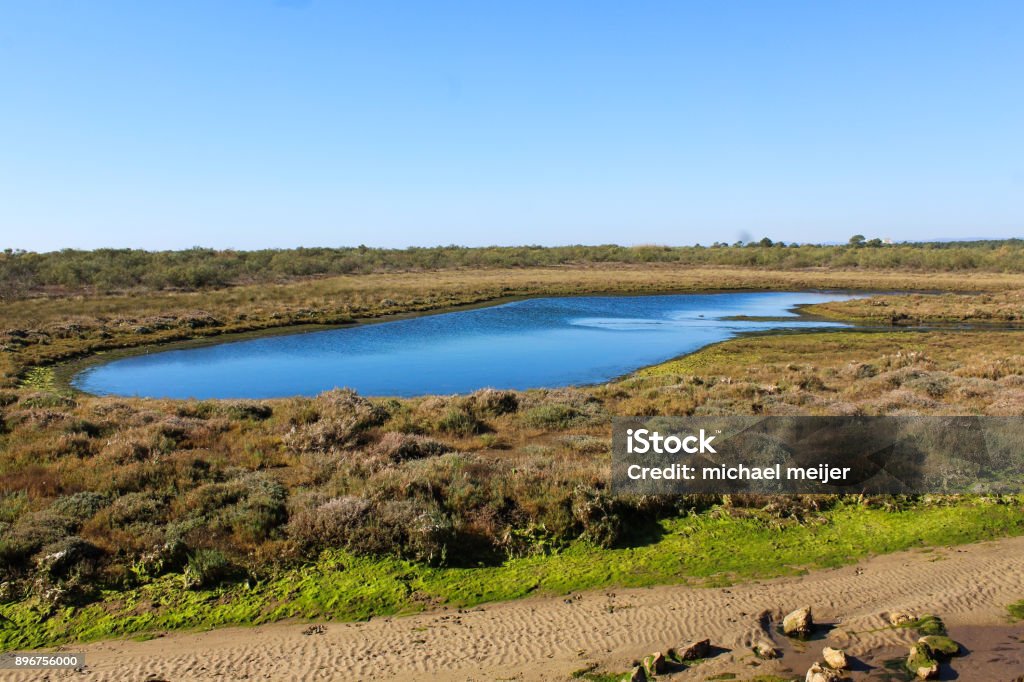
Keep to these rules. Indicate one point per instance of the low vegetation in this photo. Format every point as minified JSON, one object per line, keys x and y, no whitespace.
{"x":125,"y":515}
{"x":104,"y":496}
{"x":106,"y":270}
{"x":700,"y":549}
{"x":1001,"y":307}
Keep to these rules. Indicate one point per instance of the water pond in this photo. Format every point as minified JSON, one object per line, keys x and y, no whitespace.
{"x":540,"y":342}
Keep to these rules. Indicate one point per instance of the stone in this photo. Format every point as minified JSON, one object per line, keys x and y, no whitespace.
{"x":765,"y":649}
{"x":835,"y":658}
{"x":921,"y":662}
{"x":694,"y":650}
{"x":798,"y":623}
{"x":655,"y":664}
{"x":636,"y":675}
{"x":898,"y":618}
{"x":819,"y":673}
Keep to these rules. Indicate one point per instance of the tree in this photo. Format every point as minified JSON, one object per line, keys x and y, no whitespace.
{"x":857,"y":240}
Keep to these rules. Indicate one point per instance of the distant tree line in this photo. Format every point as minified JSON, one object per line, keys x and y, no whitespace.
{"x":109,"y":270}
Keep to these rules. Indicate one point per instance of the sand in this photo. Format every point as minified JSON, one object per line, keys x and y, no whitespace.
{"x":548,"y":638}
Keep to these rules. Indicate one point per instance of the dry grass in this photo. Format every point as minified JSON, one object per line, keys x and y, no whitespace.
{"x":908,"y":309}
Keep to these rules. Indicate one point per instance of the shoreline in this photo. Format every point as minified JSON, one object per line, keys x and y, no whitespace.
{"x":65,"y":372}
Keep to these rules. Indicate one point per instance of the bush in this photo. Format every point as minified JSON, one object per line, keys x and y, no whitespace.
{"x":248,"y":410}
{"x":206,"y":568}
{"x":135,"y":508}
{"x":331,"y":524}
{"x":342,"y":420}
{"x":552,"y":416}
{"x":494,"y":402}
{"x":29,"y":534}
{"x":60,"y":558}
{"x":80,"y":507}
{"x":399,"y":447}
{"x":460,"y":422}
{"x":599,"y":518}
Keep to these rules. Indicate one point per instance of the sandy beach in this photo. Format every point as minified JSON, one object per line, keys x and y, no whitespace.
{"x":550,"y":638}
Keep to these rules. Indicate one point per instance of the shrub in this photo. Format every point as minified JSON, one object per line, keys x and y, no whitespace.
{"x":248,"y":410}
{"x":343,"y":419}
{"x":262,"y":508}
{"x":494,"y":402}
{"x":552,"y":416}
{"x":29,"y":534}
{"x":460,"y":422}
{"x":133,"y":508}
{"x":58,"y":559}
{"x":80,"y":507}
{"x":206,"y":568}
{"x":330,"y":524}
{"x":598,"y":517}
{"x":399,"y":447}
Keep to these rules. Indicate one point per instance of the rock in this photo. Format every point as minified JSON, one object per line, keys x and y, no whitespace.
{"x":636,"y":675}
{"x":898,"y":618}
{"x":655,"y":664}
{"x":921,"y":662}
{"x":819,"y":673}
{"x":694,"y":650}
{"x":940,"y":645}
{"x":835,"y":658}
{"x":798,"y":623}
{"x":764,"y":649}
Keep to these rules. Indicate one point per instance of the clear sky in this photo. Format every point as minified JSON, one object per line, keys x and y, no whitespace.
{"x":279,"y":123}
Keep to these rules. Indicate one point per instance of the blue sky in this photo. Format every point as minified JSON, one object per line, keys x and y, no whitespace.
{"x":262,"y":123}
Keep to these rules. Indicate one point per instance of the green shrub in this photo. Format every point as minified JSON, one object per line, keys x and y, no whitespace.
{"x":599,"y":517}
{"x":80,"y":507}
{"x":206,"y":568}
{"x":58,"y":559}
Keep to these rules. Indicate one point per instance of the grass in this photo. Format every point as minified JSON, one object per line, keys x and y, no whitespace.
{"x":1016,"y":610}
{"x":1003,"y":307}
{"x":698,"y":549}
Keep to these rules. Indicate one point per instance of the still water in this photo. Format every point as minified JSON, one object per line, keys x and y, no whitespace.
{"x":541,"y":342}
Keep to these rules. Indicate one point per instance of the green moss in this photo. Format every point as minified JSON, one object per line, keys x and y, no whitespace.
{"x":920,"y":657}
{"x":694,"y":550}
{"x":940,"y":645}
{"x":40,"y":378}
{"x":927,"y":625}
{"x":1016,"y":610}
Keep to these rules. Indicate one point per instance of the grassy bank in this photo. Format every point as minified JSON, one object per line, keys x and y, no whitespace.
{"x":710,"y":548}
